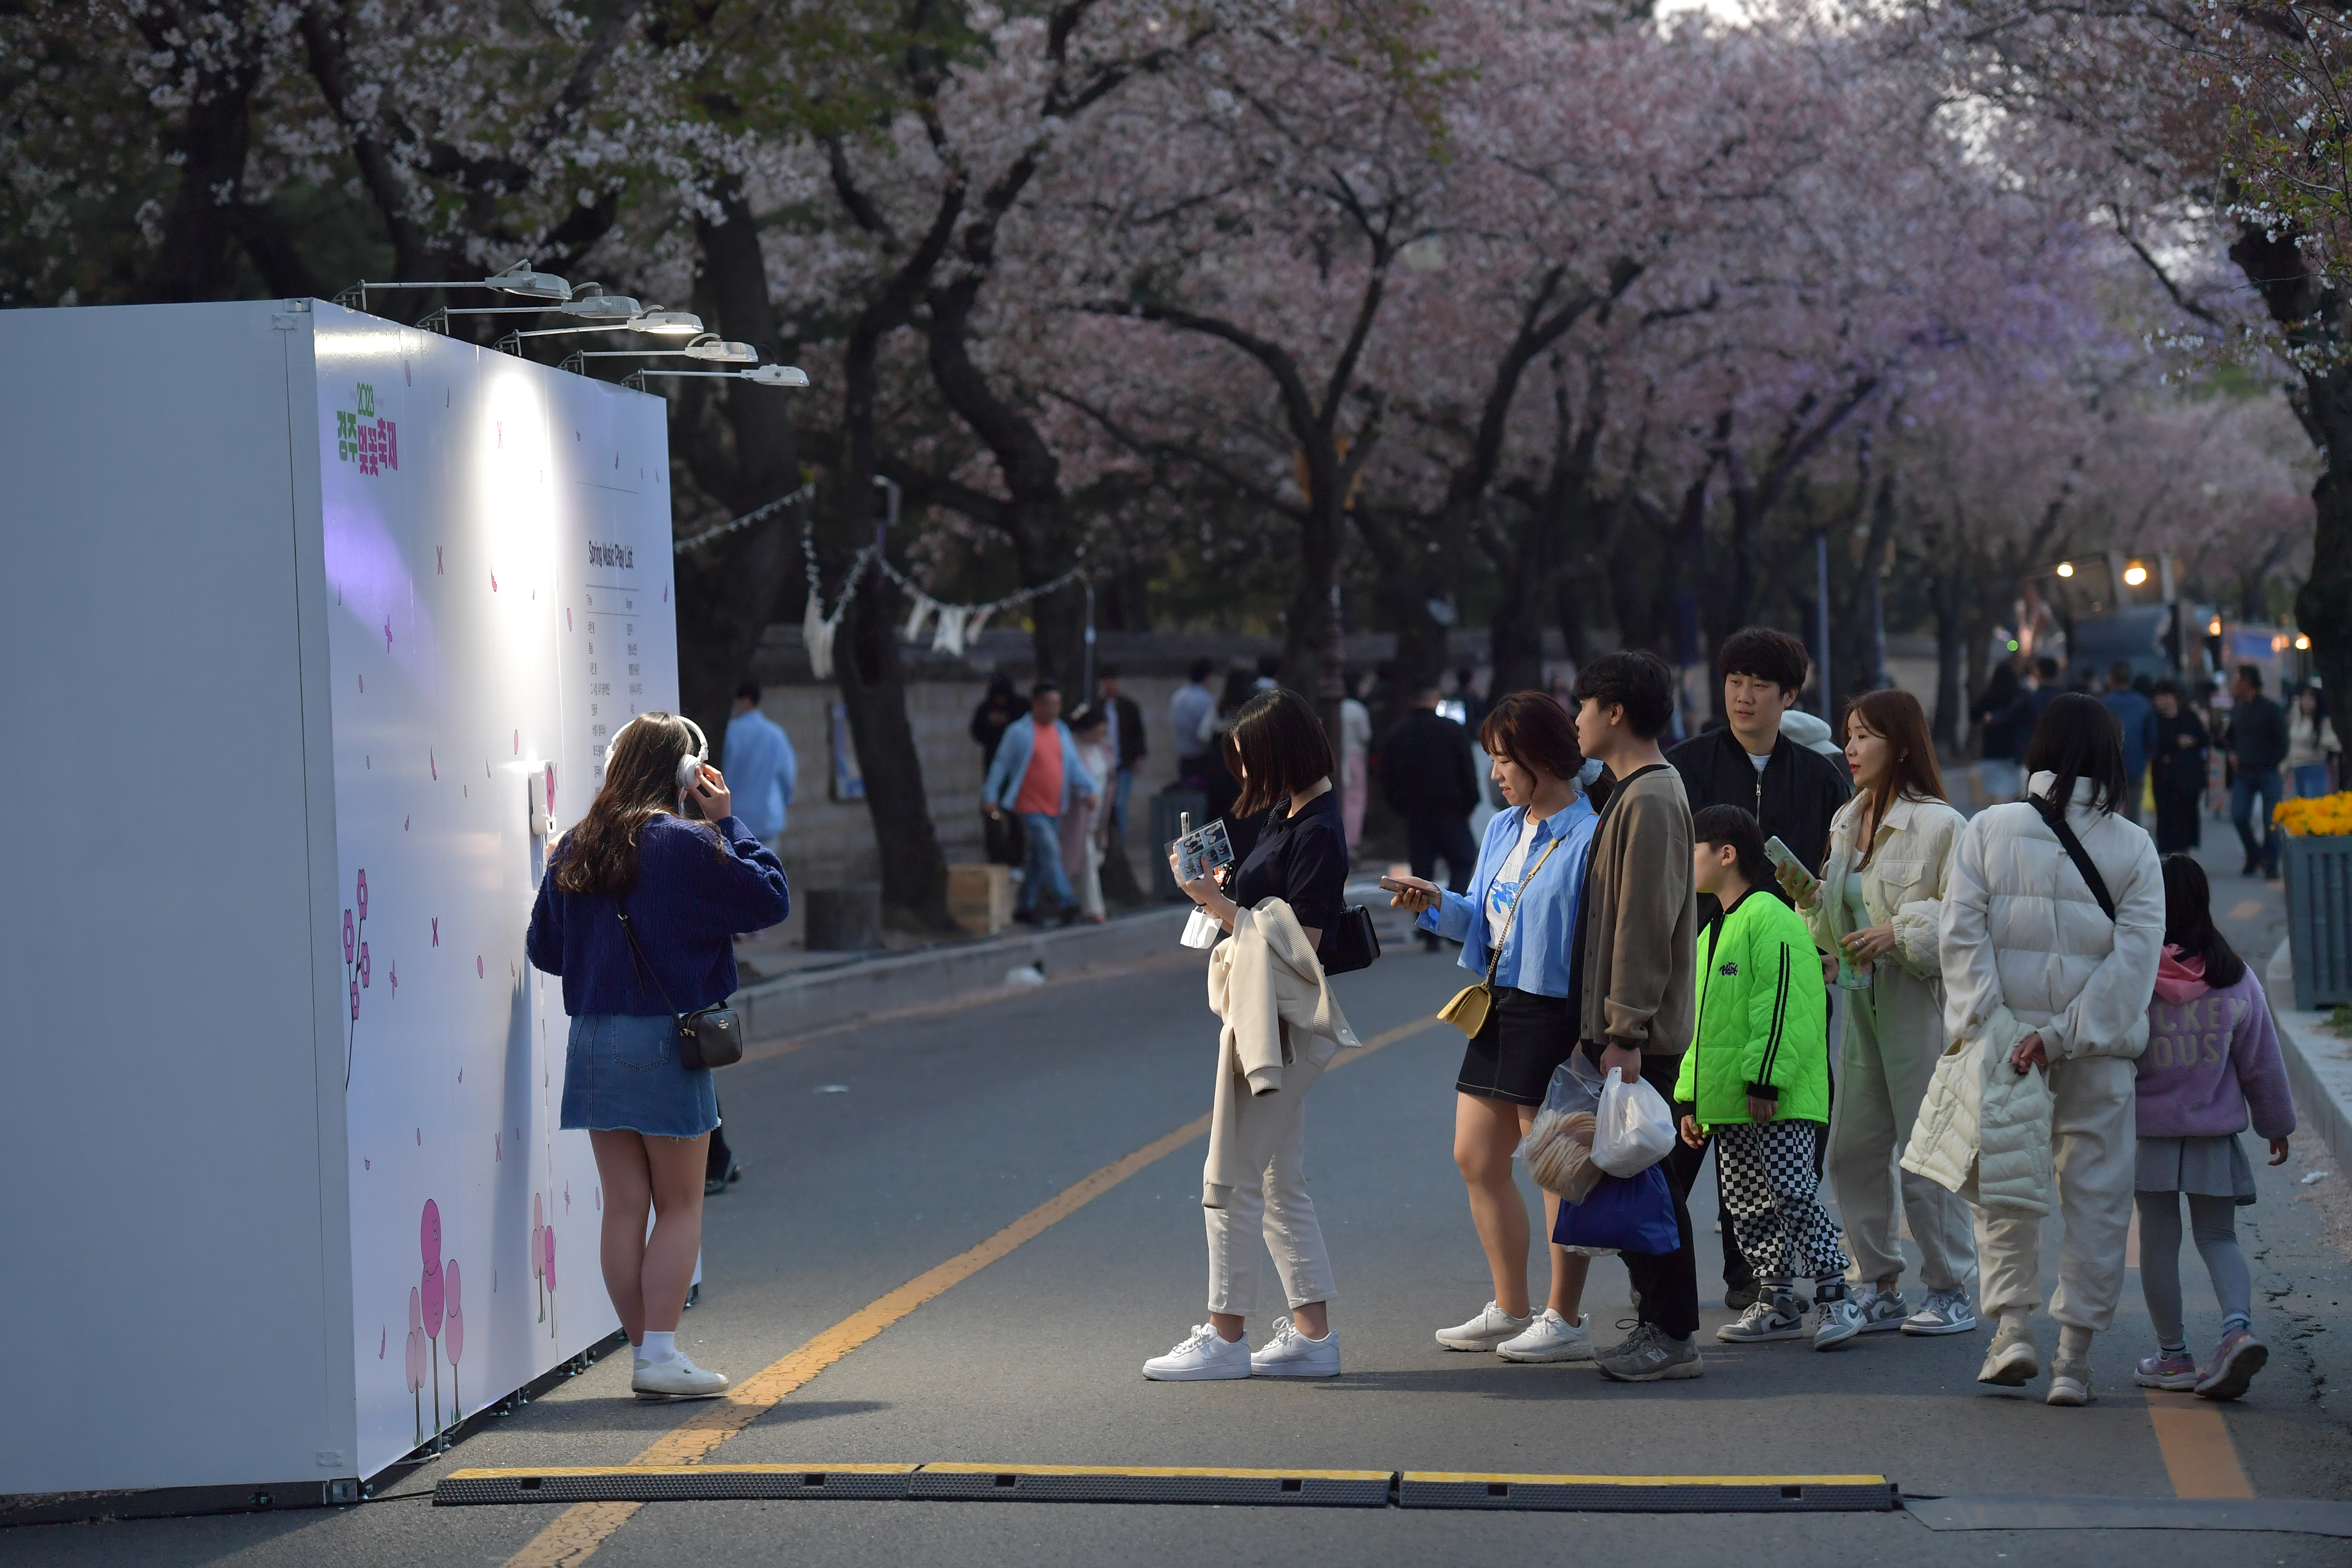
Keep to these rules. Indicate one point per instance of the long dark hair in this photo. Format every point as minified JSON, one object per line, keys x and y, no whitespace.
{"x":2188,"y":923}
{"x":1897,"y":717}
{"x":2077,"y":738}
{"x":600,"y":854}
{"x":1275,"y":748}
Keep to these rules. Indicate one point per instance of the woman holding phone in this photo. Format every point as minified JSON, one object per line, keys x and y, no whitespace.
{"x":1877,"y":903}
{"x":1519,"y":916}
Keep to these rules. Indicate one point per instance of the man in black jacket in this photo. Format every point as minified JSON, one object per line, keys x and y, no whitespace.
{"x":1792,"y":791}
{"x":1429,"y":780}
{"x":2258,"y":743}
{"x":1127,"y":746}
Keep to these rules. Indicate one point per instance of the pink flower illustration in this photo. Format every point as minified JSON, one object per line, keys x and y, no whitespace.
{"x":429,"y":1243}
{"x":547,"y":1246}
{"x":452,"y":1334}
{"x":415,"y":1362}
{"x":537,"y":1272}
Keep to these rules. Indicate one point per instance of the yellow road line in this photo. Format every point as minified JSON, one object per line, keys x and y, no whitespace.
{"x":2195,"y":1442}
{"x":1474,"y":1475}
{"x":575,"y":1535}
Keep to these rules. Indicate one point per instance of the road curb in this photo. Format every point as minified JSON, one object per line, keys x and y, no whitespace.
{"x":2319,"y":1063}
{"x":796,"y":1003}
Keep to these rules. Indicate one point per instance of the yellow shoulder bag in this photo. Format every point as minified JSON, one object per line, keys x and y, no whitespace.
{"x":1467,"y":1012}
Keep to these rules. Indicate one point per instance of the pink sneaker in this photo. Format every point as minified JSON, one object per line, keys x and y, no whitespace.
{"x":2174,"y":1369}
{"x":2236,"y":1359}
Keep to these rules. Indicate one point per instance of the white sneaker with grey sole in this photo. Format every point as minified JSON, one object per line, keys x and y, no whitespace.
{"x":675,"y":1378}
{"x":1549,"y":1337}
{"x":1292,"y":1355}
{"x":1484,"y":1332}
{"x":1204,"y":1358}
{"x":1943,"y":1312}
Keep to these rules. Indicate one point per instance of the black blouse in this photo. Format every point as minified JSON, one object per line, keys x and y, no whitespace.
{"x":1301,"y":858}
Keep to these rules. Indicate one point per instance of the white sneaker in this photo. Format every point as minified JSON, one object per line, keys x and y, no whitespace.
{"x":1836,"y":1321}
{"x":1550,"y":1338}
{"x":676,"y":1378}
{"x":1484,"y":1332}
{"x":1203,"y":1358}
{"x":1292,"y":1355}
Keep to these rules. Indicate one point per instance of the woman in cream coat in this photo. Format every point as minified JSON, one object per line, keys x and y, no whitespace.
{"x":2025,"y":944}
{"x":1879,"y":898}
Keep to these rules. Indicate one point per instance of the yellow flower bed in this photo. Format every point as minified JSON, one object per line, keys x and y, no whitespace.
{"x":2316,"y":817}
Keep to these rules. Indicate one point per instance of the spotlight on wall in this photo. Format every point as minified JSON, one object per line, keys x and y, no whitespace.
{"x":721,"y":352}
{"x":668,"y":323}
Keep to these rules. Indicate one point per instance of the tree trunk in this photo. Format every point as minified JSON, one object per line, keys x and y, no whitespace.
{"x":1406,"y":586}
{"x":192,"y":264}
{"x":2323,"y":606}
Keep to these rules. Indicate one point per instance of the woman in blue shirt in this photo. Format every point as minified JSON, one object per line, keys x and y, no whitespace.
{"x":1524,"y":895}
{"x":684,"y":888}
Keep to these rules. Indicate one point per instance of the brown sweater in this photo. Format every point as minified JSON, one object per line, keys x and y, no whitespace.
{"x":1639,"y":919}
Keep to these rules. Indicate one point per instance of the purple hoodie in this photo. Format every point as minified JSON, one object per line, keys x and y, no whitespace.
{"x":2208,"y":1061}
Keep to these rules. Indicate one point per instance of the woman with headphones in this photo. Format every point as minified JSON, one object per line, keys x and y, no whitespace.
{"x":638,"y":913}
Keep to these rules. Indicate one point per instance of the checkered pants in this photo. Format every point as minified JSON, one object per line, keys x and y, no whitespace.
{"x":1774,"y":1200}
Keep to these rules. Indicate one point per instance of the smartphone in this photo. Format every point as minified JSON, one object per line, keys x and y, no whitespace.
{"x":1399,"y":885}
{"x":1780,"y":854}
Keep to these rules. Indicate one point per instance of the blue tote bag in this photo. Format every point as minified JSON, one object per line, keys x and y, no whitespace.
{"x":1630,"y":1214}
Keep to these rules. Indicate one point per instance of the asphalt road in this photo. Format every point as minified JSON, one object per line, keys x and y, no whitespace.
{"x":875,"y":1155}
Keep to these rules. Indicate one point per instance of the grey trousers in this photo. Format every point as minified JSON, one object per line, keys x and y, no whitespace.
{"x":1272,"y":1130}
{"x":1894,"y":1033}
{"x":2096,"y":1149}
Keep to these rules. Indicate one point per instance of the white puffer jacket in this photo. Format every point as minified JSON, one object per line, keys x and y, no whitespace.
{"x":2019,"y":929}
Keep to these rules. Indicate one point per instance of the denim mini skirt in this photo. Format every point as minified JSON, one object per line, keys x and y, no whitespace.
{"x":621,"y":1073}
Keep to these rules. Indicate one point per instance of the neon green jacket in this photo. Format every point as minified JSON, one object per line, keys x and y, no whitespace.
{"x":1763,"y":1017}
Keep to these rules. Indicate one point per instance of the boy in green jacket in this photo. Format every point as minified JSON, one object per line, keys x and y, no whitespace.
{"x":1756,"y":1080}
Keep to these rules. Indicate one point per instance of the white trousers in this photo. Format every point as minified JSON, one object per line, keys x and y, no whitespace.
{"x":2096,"y":1151}
{"x":1271,"y":1129}
{"x":1894,"y":1033}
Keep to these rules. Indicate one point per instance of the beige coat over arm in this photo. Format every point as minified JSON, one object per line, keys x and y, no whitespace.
{"x":1269,"y":988}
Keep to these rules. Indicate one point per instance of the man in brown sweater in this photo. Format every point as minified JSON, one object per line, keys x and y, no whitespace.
{"x":1637,"y":930}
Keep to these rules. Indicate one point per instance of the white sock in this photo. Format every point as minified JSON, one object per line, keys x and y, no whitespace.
{"x":658,"y":1347}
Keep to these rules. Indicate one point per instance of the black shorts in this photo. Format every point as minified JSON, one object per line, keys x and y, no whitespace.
{"x":1526,"y":1039}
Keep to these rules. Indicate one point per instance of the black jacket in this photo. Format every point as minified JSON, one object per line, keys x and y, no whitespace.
{"x":1793,"y":798}
{"x":1425,"y":767}
{"x":1131,"y":730}
{"x":2177,"y":768}
{"x":2258,"y":734}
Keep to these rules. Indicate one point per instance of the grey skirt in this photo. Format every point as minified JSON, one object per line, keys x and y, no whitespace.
{"x":2210,"y":1167}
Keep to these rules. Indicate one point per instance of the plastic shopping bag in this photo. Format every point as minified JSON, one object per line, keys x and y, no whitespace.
{"x":1557,"y":1148}
{"x":1623,"y":1214}
{"x":1637,"y":1126}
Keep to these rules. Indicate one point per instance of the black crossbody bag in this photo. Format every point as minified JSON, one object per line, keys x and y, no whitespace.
{"x":709,"y":1038}
{"x":2076,"y":852}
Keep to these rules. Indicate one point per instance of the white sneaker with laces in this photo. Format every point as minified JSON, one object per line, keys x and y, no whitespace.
{"x":1836,"y":1321}
{"x":1484,"y":1332}
{"x":675,"y":1378}
{"x":1550,"y":1337}
{"x":1292,"y":1355}
{"x":1883,"y":1311}
{"x":1203,"y":1358}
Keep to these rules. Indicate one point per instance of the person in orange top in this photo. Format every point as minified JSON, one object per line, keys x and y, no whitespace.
{"x":1036,"y":770}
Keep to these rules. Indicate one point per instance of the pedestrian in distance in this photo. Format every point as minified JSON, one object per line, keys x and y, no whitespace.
{"x":1123,"y":720}
{"x":2135,"y":716}
{"x":1282,"y":1027}
{"x":1036,"y":776}
{"x":2258,"y":745}
{"x":2212,"y":1065}
{"x":760,"y":768}
{"x":638,"y":912}
{"x":2057,"y":944}
{"x":1791,"y":790}
{"x":1879,"y":902}
{"x":998,"y":709}
{"x":1084,"y":827}
{"x":2041,"y":684}
{"x":2178,"y":769}
{"x":1270,"y":672}
{"x":1635,"y":944}
{"x":1752,"y":1084}
{"x":1188,"y":707}
{"x":1430,"y":781}
{"x":1996,"y":745}
{"x":1517,"y":920}
{"x":1355,"y":757}
{"x":2311,"y":745}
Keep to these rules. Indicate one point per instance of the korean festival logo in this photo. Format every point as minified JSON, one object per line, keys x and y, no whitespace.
{"x":363,"y":438}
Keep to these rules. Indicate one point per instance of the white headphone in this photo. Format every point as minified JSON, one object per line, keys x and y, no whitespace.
{"x":689,"y":767}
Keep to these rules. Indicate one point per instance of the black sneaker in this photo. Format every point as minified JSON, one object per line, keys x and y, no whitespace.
{"x":1740,"y":1298}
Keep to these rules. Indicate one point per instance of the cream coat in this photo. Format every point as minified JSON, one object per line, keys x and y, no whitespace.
{"x":1982,"y":1119}
{"x":2019,"y":929}
{"x":1268,"y":988}
{"x":1902,"y":886}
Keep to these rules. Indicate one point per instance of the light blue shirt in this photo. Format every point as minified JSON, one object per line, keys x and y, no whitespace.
{"x":760,"y":770}
{"x":1186,"y":708}
{"x":2137,"y":715}
{"x":1011,"y":766}
{"x":1536,"y":954}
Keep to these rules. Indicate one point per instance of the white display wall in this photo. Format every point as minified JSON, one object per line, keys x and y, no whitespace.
{"x":432,"y":580}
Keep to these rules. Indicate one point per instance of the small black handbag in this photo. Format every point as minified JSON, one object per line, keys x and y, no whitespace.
{"x":707,"y":1037}
{"x":1352,"y":944}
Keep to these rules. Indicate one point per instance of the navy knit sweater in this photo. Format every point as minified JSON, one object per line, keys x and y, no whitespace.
{"x":689,"y":903}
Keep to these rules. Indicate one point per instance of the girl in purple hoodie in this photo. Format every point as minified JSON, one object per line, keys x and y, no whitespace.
{"x":2212,"y":1059}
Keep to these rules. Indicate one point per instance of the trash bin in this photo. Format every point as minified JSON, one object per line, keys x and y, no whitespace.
{"x":2319,"y":918}
{"x":1168,"y":808}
